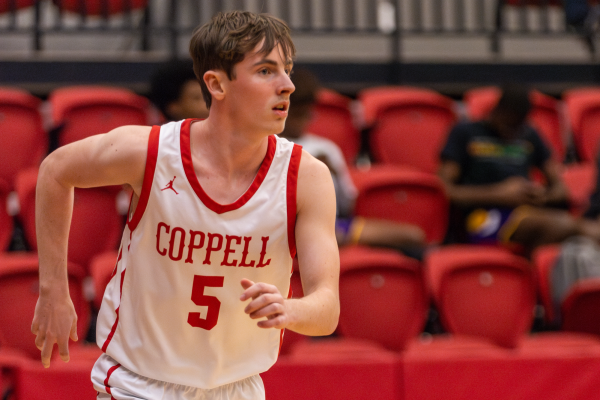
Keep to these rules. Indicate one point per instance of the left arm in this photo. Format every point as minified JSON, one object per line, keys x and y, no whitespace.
{"x":316,"y":313}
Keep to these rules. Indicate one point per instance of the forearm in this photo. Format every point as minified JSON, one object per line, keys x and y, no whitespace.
{"x":477,"y":195}
{"x":54,"y":205}
{"x":315,"y":314}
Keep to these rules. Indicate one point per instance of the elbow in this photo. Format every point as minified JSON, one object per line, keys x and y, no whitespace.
{"x":331,"y":325}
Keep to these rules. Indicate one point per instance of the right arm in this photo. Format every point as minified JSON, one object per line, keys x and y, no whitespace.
{"x":115,"y":158}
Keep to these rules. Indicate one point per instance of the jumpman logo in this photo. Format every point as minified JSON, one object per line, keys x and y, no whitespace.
{"x":170,"y":185}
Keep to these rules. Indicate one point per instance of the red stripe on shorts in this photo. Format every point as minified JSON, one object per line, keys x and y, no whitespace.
{"x":108,"y":374}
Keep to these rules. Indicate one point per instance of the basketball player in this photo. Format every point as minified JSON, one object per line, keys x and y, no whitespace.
{"x":199,"y":296}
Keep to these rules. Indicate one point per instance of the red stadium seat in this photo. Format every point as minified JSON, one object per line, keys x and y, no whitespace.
{"x":403,"y":195}
{"x":580,"y":179}
{"x":96,"y":226}
{"x":544,"y":116}
{"x":543,"y":259}
{"x":5,"y":6}
{"x":482,"y":291}
{"x":382,"y":296}
{"x":408,"y":125}
{"x":82,"y":111}
{"x":6,"y":221}
{"x":98,"y":7}
{"x":583,"y":107}
{"x":101,"y":269}
{"x":23,"y":141}
{"x":333,"y":120}
{"x":19,"y":291}
{"x":68,"y":381}
{"x":581,"y":307}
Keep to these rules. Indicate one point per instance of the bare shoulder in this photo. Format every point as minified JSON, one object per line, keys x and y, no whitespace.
{"x":114,"y":158}
{"x":314,"y":182}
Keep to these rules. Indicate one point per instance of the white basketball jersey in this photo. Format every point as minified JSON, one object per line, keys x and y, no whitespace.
{"x":172,"y":311}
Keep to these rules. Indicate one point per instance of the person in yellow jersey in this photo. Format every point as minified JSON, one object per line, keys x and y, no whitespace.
{"x":198,"y":303}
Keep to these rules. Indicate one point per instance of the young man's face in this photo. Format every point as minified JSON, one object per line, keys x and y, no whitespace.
{"x":260,"y":92}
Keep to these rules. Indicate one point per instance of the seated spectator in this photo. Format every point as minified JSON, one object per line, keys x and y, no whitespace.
{"x":486,"y":168}
{"x":350,"y":229}
{"x":175,"y":91}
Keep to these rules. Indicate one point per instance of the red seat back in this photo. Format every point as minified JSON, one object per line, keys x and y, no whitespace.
{"x":5,"y":6}
{"x":544,"y":115}
{"x":403,"y":195}
{"x":581,"y":307}
{"x":6,"y":221}
{"x":19,"y":291}
{"x":23,"y":141}
{"x":482,"y":291}
{"x":333,"y":120}
{"x":96,"y":226}
{"x":543,"y":259}
{"x":83,"y":111}
{"x":101,"y":269}
{"x":409,"y":125}
{"x":583,"y":107}
{"x":98,"y":7}
{"x":580,"y":180}
{"x":382,"y":296}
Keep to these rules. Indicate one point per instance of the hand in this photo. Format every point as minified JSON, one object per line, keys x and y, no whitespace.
{"x":516,"y":190}
{"x":266,"y":302}
{"x":54,"y":321}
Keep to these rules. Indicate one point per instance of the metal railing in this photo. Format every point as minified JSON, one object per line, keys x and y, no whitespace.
{"x":161,"y":24}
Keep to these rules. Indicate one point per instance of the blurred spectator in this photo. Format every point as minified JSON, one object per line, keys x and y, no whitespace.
{"x":584,"y":19}
{"x":486,"y":168}
{"x":175,"y":91}
{"x":350,"y":229}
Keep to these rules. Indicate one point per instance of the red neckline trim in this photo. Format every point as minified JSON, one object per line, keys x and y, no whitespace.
{"x":188,"y":167}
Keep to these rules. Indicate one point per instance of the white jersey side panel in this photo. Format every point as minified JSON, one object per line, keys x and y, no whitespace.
{"x":172,"y":312}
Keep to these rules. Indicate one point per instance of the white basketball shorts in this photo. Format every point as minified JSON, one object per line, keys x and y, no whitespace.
{"x":113,"y":381}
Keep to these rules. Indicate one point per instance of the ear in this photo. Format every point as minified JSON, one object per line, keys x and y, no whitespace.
{"x":214,"y":82}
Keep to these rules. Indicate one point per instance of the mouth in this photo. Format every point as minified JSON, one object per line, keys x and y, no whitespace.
{"x":281,"y":107}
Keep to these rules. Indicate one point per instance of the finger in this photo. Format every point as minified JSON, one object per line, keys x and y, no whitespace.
{"x":40,"y":339}
{"x":73,"y":333}
{"x":47,"y":352}
{"x":34,"y":327}
{"x":246,"y":283}
{"x":277,"y":322}
{"x":63,"y":348}
{"x":262,"y":301}
{"x":257,"y":289}
{"x":268,"y":311}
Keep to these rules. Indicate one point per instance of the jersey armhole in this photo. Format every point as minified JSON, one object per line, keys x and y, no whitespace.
{"x":148,"y":178}
{"x":292,"y":189}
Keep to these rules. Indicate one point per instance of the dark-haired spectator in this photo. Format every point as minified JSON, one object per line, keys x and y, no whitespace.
{"x":349,"y":228}
{"x":175,"y":91}
{"x":486,"y":167}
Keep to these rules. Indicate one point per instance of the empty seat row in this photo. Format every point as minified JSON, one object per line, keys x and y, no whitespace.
{"x":485,"y":296}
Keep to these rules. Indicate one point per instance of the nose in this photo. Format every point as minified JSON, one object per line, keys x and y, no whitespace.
{"x":287,"y":87}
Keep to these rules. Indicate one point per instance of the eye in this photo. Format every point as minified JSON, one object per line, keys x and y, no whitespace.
{"x":264,"y":71}
{"x":289,"y":71}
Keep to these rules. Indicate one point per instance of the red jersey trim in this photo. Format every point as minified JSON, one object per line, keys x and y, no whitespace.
{"x":114,"y":327}
{"x":292,"y":189}
{"x":108,"y":374}
{"x":148,"y":178}
{"x":188,"y":166}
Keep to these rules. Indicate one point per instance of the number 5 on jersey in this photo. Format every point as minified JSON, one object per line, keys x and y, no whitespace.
{"x":213,"y":304}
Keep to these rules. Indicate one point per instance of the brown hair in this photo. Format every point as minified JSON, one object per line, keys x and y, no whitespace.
{"x":228,"y":37}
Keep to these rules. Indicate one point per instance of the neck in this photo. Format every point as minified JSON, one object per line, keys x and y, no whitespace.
{"x":230,"y":151}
